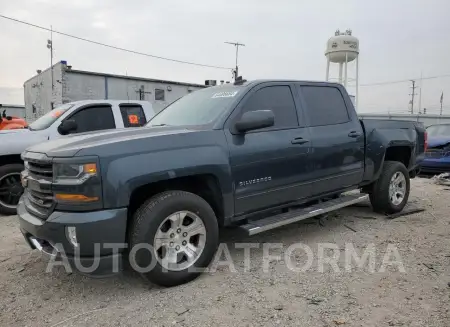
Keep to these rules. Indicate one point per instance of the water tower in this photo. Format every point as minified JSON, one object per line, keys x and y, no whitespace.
{"x":342,"y":49}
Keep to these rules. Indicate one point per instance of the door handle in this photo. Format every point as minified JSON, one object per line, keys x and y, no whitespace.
{"x":354,"y":134}
{"x":299,"y":140}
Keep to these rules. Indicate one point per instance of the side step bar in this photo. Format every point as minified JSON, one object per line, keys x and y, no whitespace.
{"x":265,"y":224}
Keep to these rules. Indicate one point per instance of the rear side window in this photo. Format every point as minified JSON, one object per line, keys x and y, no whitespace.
{"x":325,"y":105}
{"x":132,"y":115}
{"x":278,"y":99}
{"x":93,"y":118}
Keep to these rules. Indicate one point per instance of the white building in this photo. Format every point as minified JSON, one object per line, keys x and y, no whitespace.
{"x":72,"y":85}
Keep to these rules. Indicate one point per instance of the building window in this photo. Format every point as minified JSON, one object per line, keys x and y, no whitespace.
{"x":159,"y":95}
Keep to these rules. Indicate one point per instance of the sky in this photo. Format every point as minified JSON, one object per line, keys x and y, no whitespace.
{"x":399,"y":40}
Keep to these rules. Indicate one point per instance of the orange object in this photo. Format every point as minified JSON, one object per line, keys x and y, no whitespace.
{"x":57,"y":113}
{"x":12,"y":123}
{"x":75,"y":197}
{"x":133,"y":119}
{"x":90,"y":168}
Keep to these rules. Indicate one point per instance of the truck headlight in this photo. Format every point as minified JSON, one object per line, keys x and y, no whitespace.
{"x":73,"y":173}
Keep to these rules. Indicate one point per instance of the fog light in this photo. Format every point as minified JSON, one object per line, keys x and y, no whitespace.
{"x":72,"y":236}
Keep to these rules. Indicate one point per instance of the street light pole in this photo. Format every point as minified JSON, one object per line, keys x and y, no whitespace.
{"x":237,"y":45}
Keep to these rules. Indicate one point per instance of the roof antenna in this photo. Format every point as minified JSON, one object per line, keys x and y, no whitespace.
{"x":239,"y":80}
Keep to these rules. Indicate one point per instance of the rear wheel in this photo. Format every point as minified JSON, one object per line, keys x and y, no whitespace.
{"x":182,"y":231}
{"x":10,"y":188}
{"x":390,"y":192}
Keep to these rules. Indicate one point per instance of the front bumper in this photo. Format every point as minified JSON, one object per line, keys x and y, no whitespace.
{"x":98,"y":232}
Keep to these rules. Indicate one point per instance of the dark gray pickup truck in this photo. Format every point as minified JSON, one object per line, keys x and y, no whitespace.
{"x":256,"y":155}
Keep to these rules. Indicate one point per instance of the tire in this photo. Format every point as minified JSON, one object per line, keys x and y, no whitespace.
{"x":8,"y":173}
{"x":147,"y":223}
{"x":380,"y":196}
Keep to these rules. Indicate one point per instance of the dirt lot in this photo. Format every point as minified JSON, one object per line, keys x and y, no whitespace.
{"x":420,"y":296}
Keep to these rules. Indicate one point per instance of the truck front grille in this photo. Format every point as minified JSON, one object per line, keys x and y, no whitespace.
{"x":38,"y":195}
{"x":40,"y":170}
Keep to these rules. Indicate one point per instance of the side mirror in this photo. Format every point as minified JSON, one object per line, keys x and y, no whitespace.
{"x":257,"y":119}
{"x":67,"y":126}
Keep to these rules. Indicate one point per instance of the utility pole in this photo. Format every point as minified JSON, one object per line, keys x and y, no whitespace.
{"x":442,"y":100}
{"x":412,"y":95}
{"x":237,"y":45}
{"x":50,"y":47}
{"x":420,"y":92}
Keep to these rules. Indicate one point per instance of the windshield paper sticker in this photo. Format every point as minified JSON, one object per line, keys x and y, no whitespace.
{"x":56,"y":113}
{"x":224,"y":94}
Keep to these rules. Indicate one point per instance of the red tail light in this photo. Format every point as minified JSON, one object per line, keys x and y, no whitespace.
{"x":426,"y":141}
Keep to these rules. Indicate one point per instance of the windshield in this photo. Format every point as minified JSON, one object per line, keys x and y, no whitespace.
{"x":197,"y":108}
{"x":49,"y":118}
{"x":438,"y":131}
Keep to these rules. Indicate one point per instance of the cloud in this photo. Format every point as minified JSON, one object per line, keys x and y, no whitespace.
{"x":99,"y":24}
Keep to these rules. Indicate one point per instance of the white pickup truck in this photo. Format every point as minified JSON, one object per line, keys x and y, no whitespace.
{"x":70,"y":118}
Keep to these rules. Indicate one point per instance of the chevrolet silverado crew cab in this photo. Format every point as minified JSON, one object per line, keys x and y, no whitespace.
{"x":70,"y":118}
{"x":256,"y":155}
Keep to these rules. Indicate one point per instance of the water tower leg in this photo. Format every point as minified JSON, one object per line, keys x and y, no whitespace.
{"x":340,"y":72}
{"x":357,"y":82}
{"x":345,"y":73}
{"x":328,"y":69}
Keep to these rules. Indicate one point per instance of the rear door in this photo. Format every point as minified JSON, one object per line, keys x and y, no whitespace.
{"x":270,"y":165}
{"x":336,"y":135}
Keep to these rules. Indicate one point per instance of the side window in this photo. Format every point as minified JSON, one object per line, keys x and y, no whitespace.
{"x":159,"y":95}
{"x":325,"y":105}
{"x":278,"y":99}
{"x":94,"y":119}
{"x":132,"y":115}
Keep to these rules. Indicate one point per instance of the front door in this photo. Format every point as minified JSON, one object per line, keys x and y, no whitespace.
{"x":269,"y":166}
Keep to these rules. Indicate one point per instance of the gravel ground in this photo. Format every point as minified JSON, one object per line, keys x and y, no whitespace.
{"x":419,"y":296}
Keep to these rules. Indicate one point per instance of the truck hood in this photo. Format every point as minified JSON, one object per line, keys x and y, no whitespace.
{"x":69,"y":146}
{"x":434,"y":142}
{"x":15,"y":141}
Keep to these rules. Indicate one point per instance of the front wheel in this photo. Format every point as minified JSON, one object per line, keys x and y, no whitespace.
{"x":182,"y":232}
{"x":390,"y":192}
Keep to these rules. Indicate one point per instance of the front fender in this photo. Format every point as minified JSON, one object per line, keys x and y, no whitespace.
{"x":121,"y":176}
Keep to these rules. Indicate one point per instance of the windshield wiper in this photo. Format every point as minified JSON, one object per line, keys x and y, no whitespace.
{"x":159,"y":125}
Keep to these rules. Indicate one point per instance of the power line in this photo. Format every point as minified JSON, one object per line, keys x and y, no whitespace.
{"x":112,"y":46}
{"x":404,"y":80}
